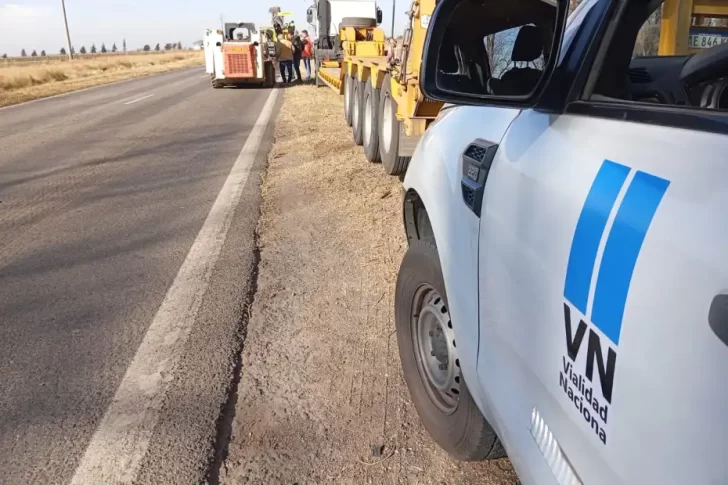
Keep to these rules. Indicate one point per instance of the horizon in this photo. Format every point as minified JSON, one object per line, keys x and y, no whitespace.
{"x":38,"y":24}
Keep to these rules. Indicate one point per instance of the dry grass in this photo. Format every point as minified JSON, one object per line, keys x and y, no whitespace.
{"x":322,"y":398}
{"x":23,"y":82}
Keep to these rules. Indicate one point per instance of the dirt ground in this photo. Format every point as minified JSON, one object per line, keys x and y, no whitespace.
{"x":321,"y":397}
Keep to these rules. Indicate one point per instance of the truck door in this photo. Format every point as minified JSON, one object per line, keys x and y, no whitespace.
{"x":603,"y":275}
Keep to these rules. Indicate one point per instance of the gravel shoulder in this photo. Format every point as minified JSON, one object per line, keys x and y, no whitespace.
{"x":321,"y":397}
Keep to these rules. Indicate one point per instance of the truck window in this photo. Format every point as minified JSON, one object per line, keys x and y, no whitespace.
{"x":499,"y":55}
{"x":656,"y":58}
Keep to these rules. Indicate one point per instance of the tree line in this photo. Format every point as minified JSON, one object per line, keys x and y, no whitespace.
{"x":103,"y":49}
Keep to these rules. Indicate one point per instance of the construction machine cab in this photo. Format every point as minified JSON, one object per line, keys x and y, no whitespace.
{"x":240,"y":31}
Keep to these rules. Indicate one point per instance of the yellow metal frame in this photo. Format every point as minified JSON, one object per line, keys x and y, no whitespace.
{"x":364,"y":58}
{"x":677,"y":18}
{"x":362,"y":42}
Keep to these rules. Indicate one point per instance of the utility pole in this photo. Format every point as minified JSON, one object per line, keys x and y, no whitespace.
{"x":68,"y":33}
{"x":394,"y":3}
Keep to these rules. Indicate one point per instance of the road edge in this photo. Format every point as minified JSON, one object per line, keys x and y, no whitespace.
{"x":120,"y":442}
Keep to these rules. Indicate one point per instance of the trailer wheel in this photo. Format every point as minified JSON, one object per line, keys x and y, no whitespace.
{"x":348,"y":98}
{"x":357,"y":110}
{"x":370,"y":129}
{"x":389,"y":132}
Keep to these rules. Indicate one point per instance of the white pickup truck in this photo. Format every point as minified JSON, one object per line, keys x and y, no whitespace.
{"x":564,"y":297}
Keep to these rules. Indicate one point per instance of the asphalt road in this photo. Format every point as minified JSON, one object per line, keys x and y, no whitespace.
{"x":104,"y":197}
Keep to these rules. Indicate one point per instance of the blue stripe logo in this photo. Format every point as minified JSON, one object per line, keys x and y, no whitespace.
{"x":623,"y":243}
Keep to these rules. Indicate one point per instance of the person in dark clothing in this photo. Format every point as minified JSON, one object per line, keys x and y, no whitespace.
{"x":297,"y":53}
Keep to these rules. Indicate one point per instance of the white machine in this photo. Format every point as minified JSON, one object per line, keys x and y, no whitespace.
{"x":236,"y":56}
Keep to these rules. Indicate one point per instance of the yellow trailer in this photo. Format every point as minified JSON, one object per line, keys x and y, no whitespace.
{"x":684,"y":29}
{"x":383,"y":102}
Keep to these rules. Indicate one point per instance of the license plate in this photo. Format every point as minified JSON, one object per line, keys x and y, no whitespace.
{"x":705,"y":41}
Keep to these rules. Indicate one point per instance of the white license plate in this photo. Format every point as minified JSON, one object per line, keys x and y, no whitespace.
{"x":705,"y":41}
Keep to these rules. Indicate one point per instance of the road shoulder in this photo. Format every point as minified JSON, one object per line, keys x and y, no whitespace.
{"x":321,"y":397}
{"x":195,"y":420}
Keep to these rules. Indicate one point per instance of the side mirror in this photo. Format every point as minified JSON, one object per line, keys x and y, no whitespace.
{"x":492,"y":52}
{"x":256,"y":43}
{"x":379,"y":15}
{"x":309,"y":16}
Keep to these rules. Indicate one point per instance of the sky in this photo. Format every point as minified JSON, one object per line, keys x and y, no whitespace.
{"x":38,"y":24}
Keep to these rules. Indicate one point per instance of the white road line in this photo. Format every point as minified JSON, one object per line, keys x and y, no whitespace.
{"x":120,"y":442}
{"x":139,"y":99}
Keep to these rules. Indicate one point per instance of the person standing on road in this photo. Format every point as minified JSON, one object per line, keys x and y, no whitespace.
{"x":297,"y":53}
{"x":284,"y":54}
{"x":307,"y":53}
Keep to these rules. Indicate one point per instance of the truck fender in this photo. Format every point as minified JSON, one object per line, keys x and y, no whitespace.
{"x":433,"y":183}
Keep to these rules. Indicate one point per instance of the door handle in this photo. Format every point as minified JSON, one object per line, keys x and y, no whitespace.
{"x":718,"y":317}
{"x":477,"y":159}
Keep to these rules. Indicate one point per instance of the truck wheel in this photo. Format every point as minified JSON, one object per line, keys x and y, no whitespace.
{"x":362,"y":22}
{"x":357,"y":110}
{"x":389,"y":132}
{"x":269,"y":74}
{"x":317,"y":67}
{"x":348,"y":98}
{"x":370,"y":130}
{"x":216,"y":84}
{"x":430,"y":361}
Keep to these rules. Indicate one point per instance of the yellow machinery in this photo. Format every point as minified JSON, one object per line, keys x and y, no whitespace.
{"x":684,"y":30}
{"x":367,"y":58}
{"x":279,"y":26}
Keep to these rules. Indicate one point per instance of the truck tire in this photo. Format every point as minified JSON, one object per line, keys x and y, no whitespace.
{"x":357,"y":110}
{"x":217,"y":84}
{"x":319,"y":81}
{"x":389,"y":132}
{"x":370,"y":129}
{"x":269,"y":74}
{"x":362,"y":22}
{"x":348,"y":98}
{"x":429,"y":360}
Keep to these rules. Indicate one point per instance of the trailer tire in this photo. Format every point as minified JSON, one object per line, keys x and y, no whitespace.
{"x":389,"y":132}
{"x":348,"y":98}
{"x":357,"y":111}
{"x":370,"y":128}
{"x":439,"y":393}
{"x":363,"y":22}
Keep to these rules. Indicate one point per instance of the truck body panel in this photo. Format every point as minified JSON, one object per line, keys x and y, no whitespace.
{"x":338,"y":10}
{"x":586,"y":284}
